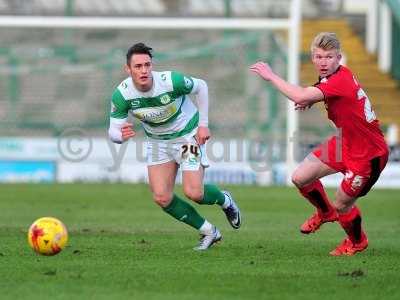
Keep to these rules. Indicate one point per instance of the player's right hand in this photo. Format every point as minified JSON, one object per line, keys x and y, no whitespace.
{"x":127,"y":131}
{"x":262,"y":69}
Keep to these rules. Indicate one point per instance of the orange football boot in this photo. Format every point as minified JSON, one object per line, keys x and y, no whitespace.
{"x":316,"y":220}
{"x":347,"y":247}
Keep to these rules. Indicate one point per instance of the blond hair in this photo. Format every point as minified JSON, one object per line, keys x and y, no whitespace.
{"x":326,"y":41}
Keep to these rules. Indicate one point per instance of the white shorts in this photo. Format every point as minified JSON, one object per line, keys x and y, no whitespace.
{"x":186,"y":152}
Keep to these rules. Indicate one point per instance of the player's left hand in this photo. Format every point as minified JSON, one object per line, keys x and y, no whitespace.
{"x":203,"y":134}
{"x":302,"y":107}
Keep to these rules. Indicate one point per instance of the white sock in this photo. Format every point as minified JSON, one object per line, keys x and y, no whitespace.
{"x":227,"y":202}
{"x":206,"y":228}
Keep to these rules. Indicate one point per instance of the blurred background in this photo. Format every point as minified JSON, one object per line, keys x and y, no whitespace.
{"x":56,"y":83}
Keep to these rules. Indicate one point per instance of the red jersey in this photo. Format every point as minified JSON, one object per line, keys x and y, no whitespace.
{"x":350,"y":109}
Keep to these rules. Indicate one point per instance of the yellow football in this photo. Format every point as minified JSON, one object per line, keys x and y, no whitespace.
{"x":47,"y":236}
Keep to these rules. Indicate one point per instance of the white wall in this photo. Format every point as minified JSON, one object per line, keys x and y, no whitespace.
{"x":355,"y":6}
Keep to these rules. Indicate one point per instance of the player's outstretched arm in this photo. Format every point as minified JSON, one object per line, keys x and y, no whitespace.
{"x":302,"y":97}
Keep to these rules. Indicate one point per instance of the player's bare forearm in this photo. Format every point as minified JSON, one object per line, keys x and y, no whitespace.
{"x":291,"y":91}
{"x":299,"y":95}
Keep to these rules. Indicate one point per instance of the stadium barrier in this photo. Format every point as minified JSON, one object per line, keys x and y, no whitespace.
{"x":99,"y":160}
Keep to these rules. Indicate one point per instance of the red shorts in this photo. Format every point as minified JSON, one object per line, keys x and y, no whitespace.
{"x":360,"y":175}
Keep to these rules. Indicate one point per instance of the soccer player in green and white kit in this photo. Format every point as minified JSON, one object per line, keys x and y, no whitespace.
{"x":176,"y":132}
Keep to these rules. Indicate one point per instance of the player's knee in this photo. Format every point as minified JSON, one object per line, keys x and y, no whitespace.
{"x":193,"y":194}
{"x":297,"y":180}
{"x":162,"y":199}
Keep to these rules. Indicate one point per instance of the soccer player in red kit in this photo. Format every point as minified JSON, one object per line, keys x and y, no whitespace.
{"x":359,"y":150}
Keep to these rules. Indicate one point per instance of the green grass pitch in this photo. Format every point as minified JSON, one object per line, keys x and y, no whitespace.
{"x":122,"y":246}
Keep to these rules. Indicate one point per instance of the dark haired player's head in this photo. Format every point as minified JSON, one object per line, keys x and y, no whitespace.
{"x":139,"y":66}
{"x":139,"y":48}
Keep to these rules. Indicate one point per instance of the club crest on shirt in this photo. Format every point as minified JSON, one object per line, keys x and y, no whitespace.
{"x":165,"y":99}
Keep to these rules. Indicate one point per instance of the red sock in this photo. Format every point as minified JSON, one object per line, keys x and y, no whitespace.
{"x":351,"y":223}
{"x":316,"y":194}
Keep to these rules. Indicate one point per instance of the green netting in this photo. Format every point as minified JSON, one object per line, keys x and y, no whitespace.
{"x":52,"y":79}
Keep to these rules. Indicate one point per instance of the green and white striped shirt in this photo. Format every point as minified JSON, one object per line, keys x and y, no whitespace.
{"x":165,"y":112}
